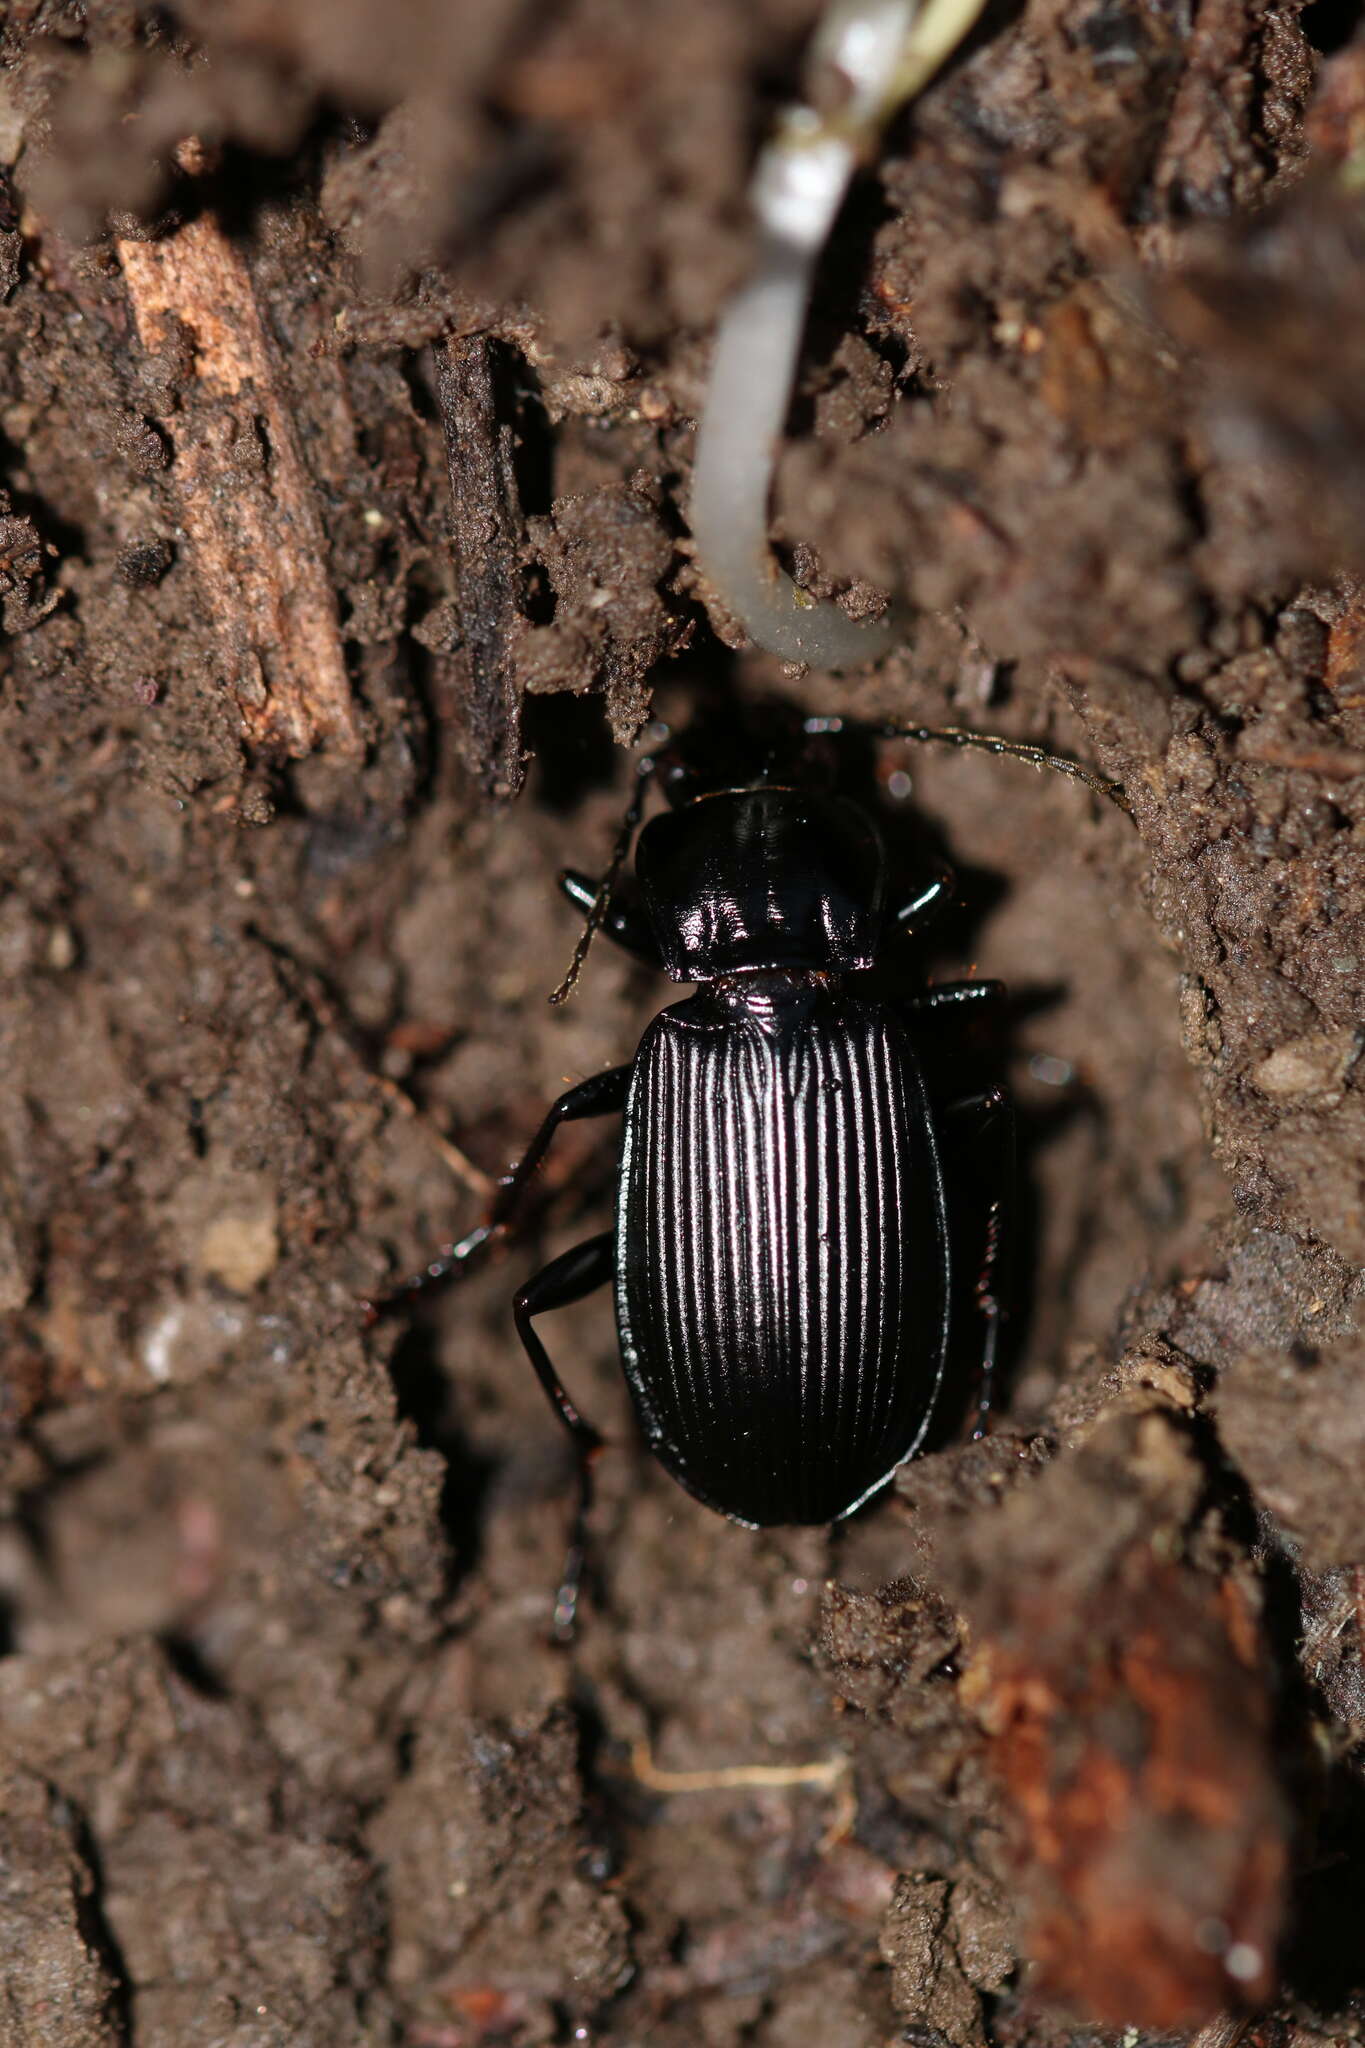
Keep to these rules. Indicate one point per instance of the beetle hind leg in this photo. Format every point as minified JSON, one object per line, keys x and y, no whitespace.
{"x":601,"y":1094}
{"x":991,"y":1114}
{"x":564,"y":1281}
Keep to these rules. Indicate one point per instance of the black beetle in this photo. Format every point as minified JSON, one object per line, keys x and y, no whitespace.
{"x":783,"y":1248}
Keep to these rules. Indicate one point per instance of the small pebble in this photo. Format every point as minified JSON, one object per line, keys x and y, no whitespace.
{"x":1051,"y":1071}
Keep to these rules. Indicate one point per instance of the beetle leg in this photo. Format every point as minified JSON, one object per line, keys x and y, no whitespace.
{"x":622,"y":923}
{"x":915,"y":916}
{"x":954,"y":995}
{"x":993,"y":1113}
{"x":566,"y":1280}
{"x":448,"y":1260}
{"x":600,"y":1095}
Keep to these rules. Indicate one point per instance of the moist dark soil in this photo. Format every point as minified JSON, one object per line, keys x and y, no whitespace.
{"x":350,"y":359}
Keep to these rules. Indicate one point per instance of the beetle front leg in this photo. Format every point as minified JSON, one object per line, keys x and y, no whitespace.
{"x":992,"y":1112}
{"x":624,"y":923}
{"x":600,"y":1095}
{"x":956,"y":995}
{"x":564,"y":1281}
{"x":933,"y":899}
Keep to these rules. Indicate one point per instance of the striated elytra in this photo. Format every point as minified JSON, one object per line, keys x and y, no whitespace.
{"x":781,"y":1247}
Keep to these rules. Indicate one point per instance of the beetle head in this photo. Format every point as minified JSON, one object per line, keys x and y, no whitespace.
{"x":750,"y":746}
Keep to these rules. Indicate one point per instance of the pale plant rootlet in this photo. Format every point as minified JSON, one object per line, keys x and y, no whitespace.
{"x":867,"y":58}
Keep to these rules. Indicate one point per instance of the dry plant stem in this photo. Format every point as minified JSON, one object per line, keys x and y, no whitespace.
{"x":834,"y":1774}
{"x":461,"y":1166}
{"x":487,"y":533}
{"x":255,"y":534}
{"x":315,"y":995}
{"x":882,"y":52}
{"x":830,"y":1771}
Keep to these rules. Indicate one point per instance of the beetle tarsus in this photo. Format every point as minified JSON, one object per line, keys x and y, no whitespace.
{"x":565,"y":1622}
{"x":564,"y":1281}
{"x":993,"y":1111}
{"x":452,"y":1258}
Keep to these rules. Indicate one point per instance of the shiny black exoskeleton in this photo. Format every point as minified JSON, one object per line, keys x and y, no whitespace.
{"x":781,"y":1250}
{"x":784,"y":1246}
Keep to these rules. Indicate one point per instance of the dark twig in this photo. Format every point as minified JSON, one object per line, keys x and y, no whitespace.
{"x":487,"y":531}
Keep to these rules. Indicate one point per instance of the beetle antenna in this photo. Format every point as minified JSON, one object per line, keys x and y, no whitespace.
{"x":992,"y":743}
{"x":598,"y":908}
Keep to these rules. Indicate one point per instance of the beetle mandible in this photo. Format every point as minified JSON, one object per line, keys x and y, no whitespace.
{"x":783,"y":1249}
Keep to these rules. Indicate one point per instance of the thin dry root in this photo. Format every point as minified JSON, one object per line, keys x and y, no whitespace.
{"x":834,"y":1773}
{"x":881,"y":53}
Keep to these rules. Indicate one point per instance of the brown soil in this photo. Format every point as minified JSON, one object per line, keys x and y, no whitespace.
{"x":349,"y":362}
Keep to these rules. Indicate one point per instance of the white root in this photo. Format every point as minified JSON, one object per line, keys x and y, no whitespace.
{"x":879,"y":53}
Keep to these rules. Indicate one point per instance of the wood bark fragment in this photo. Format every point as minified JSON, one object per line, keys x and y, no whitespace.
{"x":1344,"y":672}
{"x":246,"y":500}
{"x":487,"y":532}
{"x":1128,"y":1712}
{"x":1148,"y":1830}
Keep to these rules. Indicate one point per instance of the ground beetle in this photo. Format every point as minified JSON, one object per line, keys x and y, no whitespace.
{"x":783,"y":1249}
